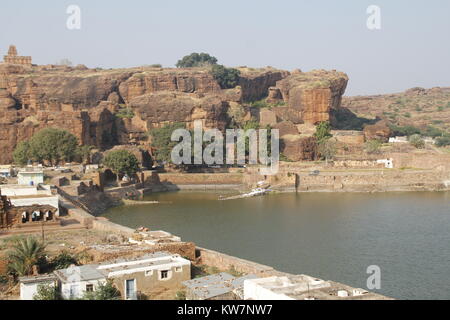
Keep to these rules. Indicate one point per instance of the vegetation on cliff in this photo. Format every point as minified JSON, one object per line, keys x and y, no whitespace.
{"x":226,"y":77}
{"x":196,"y":60}
{"x":323,"y":132}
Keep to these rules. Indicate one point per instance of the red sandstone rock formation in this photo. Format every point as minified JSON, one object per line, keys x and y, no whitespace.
{"x":312,"y":95}
{"x":84,"y":101}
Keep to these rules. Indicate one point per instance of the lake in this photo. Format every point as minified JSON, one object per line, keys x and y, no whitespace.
{"x":334,"y":236}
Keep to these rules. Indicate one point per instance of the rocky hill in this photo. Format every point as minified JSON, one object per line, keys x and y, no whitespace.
{"x":418,"y":107}
{"x":112,"y":107}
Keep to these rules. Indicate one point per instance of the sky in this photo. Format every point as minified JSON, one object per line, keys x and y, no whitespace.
{"x":411,"y":49}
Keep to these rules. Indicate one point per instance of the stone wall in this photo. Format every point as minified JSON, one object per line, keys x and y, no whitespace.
{"x":226,"y":262}
{"x":375,"y":181}
{"x":201,"y":178}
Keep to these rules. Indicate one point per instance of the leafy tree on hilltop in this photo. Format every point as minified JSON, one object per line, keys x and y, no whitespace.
{"x":226,"y":77}
{"x":121,"y":162}
{"x":196,"y":60}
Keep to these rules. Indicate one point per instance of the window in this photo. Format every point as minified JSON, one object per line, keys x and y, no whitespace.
{"x":89,"y":288}
{"x":164,"y":274}
{"x":148,"y":273}
{"x":177,"y":269}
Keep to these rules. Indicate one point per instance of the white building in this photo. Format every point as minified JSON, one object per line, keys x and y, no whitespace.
{"x":30,"y":176}
{"x":29,"y":285}
{"x":388,"y":163}
{"x":27,"y":195}
{"x":6,"y":171}
{"x":76,"y":280}
{"x":143,"y":274}
{"x":303,"y":287}
{"x":280,"y":288}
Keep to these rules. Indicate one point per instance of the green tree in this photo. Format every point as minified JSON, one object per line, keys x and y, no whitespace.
{"x":104,"y":291}
{"x":226,"y":77}
{"x":49,"y":144}
{"x":327,"y":149}
{"x":63,"y":261}
{"x":417,"y":141}
{"x":46,"y":292}
{"x":323,"y":132}
{"x":84,"y":153}
{"x":196,"y":60}
{"x":443,"y":141}
{"x":121,"y":162}
{"x":373,"y":146}
{"x":161,"y":141}
{"x":25,"y":253}
{"x":21,"y":154}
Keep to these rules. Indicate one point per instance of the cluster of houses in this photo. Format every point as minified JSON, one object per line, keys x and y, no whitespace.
{"x":140,"y":277}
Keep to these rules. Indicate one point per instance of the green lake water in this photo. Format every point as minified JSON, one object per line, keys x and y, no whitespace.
{"x":334,"y":236}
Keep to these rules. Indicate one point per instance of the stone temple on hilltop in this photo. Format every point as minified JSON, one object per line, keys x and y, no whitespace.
{"x":13,"y":58}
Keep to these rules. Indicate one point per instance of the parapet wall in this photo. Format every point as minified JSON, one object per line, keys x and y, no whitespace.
{"x":375,"y":181}
{"x":226,"y":262}
{"x":196,"y":180}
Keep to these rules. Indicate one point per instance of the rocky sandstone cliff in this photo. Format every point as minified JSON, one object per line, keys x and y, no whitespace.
{"x":86,"y":101}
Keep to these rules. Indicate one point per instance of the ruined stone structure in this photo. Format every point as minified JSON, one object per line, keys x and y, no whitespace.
{"x":13,"y":58}
{"x":25,"y":216}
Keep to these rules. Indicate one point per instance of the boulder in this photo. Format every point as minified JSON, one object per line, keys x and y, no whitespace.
{"x":312,"y":95}
{"x":286,"y":128}
{"x":378,"y":131}
{"x":267,"y":117}
{"x":299,"y":148}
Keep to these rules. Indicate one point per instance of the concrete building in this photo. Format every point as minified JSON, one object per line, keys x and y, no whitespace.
{"x":132,"y":277}
{"x":388,"y":163}
{"x":398,"y":140}
{"x":29,"y":285}
{"x":221,"y":286}
{"x":30,"y":176}
{"x":74,"y":281}
{"x":6,"y":171}
{"x":303,"y":287}
{"x":27,"y":195}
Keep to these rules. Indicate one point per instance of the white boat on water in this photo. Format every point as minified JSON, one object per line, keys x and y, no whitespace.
{"x":255,"y":192}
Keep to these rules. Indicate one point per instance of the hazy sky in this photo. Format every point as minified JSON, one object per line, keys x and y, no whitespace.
{"x":411,"y":49}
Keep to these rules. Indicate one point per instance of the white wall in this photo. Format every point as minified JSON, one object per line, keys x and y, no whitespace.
{"x":25,"y":178}
{"x":65,"y":288}
{"x":28,"y":290}
{"x":254,"y":291}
